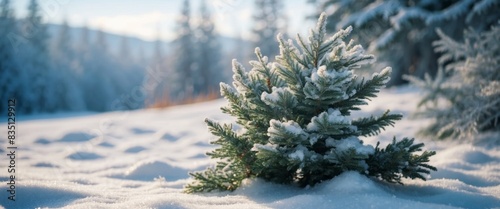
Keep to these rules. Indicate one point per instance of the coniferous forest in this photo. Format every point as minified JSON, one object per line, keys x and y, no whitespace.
{"x":56,"y":68}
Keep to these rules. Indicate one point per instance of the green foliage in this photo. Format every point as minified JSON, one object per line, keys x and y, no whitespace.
{"x":295,"y":119}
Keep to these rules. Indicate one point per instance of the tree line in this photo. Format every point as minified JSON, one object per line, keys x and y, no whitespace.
{"x":83,"y":72}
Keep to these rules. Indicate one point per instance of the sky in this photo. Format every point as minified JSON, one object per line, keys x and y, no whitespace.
{"x":148,"y":19}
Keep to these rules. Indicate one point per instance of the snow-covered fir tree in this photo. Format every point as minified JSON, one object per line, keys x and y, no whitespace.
{"x":464,"y":98}
{"x":268,"y":20}
{"x":295,"y":119}
{"x":402,"y":32}
{"x":209,"y":52}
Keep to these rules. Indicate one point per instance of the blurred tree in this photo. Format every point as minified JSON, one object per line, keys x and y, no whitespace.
{"x":184,"y":66}
{"x":268,"y":21}
{"x":69,"y":93}
{"x":97,"y":80}
{"x":402,"y":32}
{"x":10,"y":72}
{"x":209,"y":53}
{"x":36,"y":61}
{"x":156,"y":81}
{"x":466,"y":101}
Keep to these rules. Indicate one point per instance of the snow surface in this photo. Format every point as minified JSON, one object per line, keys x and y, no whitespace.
{"x":140,"y":159}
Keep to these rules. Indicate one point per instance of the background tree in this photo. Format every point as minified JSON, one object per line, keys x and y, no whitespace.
{"x":185,"y":69}
{"x":49,"y":73}
{"x":402,"y":32}
{"x":209,"y":52}
{"x":268,"y":21}
{"x":128,"y":77}
{"x":83,"y":49}
{"x":98,"y":81}
{"x":64,"y":56}
{"x":10,"y":72}
{"x":36,"y":61}
{"x":157,"y":85}
{"x":464,"y":98}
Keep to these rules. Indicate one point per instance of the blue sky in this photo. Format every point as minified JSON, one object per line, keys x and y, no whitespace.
{"x":145,"y":18}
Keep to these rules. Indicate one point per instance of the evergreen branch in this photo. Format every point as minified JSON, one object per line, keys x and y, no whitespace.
{"x":231,"y":145}
{"x":356,"y":62}
{"x":372,"y":87}
{"x":373,"y":125}
{"x":262,"y":66}
{"x":364,"y":90}
{"x":309,"y":57}
{"x":240,"y":78}
{"x":226,"y":175}
{"x":215,"y":179}
{"x":398,"y":160}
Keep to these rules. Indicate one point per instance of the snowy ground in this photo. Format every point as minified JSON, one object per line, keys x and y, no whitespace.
{"x":114,"y":160}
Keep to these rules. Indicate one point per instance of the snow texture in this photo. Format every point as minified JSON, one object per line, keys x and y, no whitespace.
{"x":353,"y":143}
{"x":333,"y":116}
{"x":173,"y":142}
{"x":385,"y":71}
{"x":274,"y":97}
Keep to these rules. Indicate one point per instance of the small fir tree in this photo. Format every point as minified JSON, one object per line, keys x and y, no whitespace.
{"x":464,"y":98}
{"x":296,"y":123}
